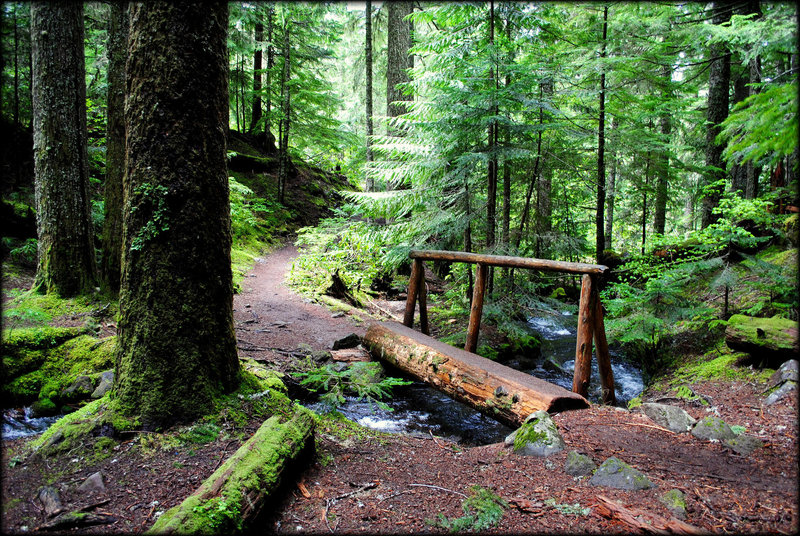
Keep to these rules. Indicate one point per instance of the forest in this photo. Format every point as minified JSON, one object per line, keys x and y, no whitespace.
{"x":211,"y":214}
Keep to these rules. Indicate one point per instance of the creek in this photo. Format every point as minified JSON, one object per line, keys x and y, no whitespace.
{"x":20,"y":423}
{"x":418,"y":409}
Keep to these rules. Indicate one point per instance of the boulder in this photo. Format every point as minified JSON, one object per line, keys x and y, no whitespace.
{"x":351,"y":341}
{"x":713,"y":429}
{"x":51,"y":500}
{"x":93,"y":484}
{"x":105,"y":385}
{"x":578,"y":464}
{"x":675,"y":501}
{"x":788,"y":371}
{"x":770,"y":341}
{"x":44,"y":407}
{"x":80,"y":388}
{"x":538,"y":436}
{"x":672,"y":418}
{"x":743,"y":444}
{"x":780,"y":392}
{"x":614,"y":473}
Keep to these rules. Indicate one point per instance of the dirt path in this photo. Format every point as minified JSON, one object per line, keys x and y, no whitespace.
{"x":269,"y":315}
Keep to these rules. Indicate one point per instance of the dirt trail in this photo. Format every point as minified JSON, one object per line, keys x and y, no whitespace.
{"x":269,"y":315}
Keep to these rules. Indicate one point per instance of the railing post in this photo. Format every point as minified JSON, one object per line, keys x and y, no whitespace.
{"x":583,"y":346}
{"x":601,"y":345}
{"x":413,"y":290}
{"x":477,"y":308}
{"x":423,"y":300}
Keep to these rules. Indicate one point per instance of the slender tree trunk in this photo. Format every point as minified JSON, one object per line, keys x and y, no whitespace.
{"x":283,"y":171}
{"x":544,"y":185}
{"x":257,"y":57}
{"x":16,"y":71}
{"x":611,"y":193}
{"x":738,"y":172}
{"x":270,"y":64}
{"x":176,"y":348}
{"x":110,"y":267}
{"x":601,"y":146}
{"x":369,"y":184}
{"x":644,"y":199}
{"x":662,"y":184}
{"x":468,"y":237}
{"x":66,"y":243}
{"x":718,"y":82}
{"x":398,"y":61}
{"x":491,"y":189}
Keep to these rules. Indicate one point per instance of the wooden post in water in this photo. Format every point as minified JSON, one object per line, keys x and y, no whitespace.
{"x":413,"y":290}
{"x":583,"y":346}
{"x":601,"y":346}
{"x":476,"y":309}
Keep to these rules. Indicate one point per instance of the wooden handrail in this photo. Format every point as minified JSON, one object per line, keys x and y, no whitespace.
{"x":590,"y":310}
{"x":510,"y":262}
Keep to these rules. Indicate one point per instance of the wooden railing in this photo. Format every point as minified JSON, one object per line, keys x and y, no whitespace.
{"x":590,"y":310}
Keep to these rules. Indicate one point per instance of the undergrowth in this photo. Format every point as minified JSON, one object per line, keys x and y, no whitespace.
{"x":483,"y":509}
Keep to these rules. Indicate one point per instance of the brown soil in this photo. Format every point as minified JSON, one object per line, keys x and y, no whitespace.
{"x":379,"y":483}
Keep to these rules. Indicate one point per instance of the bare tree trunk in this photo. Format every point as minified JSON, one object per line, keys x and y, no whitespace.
{"x":110,"y":267}
{"x":601,"y":146}
{"x":270,"y":64}
{"x":257,"y":57}
{"x":283,"y":170}
{"x":718,"y":82}
{"x":66,"y":243}
{"x":369,"y":183}
{"x":491,"y":189}
{"x":611,"y":193}
{"x":170,"y":365}
{"x":399,"y":61}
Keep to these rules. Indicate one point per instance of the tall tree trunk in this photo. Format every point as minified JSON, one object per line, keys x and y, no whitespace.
{"x":644,"y":198}
{"x":611,"y":192}
{"x":491,"y":188}
{"x":110,"y":267}
{"x":16,"y":71}
{"x":369,"y":184}
{"x":270,"y":64}
{"x":176,"y":348}
{"x":738,"y":172}
{"x":66,"y":248}
{"x":398,"y":61}
{"x":718,"y":82}
{"x":544,"y":185}
{"x":468,"y":236}
{"x":601,"y":147}
{"x":662,"y":183}
{"x":257,"y":57}
{"x":283,"y":168}
{"x":752,"y":171}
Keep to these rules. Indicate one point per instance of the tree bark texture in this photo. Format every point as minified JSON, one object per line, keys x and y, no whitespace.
{"x":500,"y":392}
{"x":718,"y":82}
{"x":66,"y":249}
{"x":283,"y":142}
{"x":369,"y":184}
{"x":399,"y":41}
{"x":611,"y":193}
{"x":662,"y":179}
{"x":110,"y":267}
{"x":176,"y":346}
{"x":544,"y":183}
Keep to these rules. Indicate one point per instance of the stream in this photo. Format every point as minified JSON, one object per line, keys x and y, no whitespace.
{"x":419,"y":409}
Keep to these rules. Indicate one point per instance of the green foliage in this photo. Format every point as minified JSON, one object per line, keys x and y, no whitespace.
{"x":220,"y":512}
{"x":24,"y":253}
{"x":201,"y":433}
{"x":483,"y":510}
{"x":153,"y":200}
{"x":364,"y":380}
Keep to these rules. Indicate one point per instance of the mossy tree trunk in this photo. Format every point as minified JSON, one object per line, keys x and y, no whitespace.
{"x":177,"y":347}
{"x":110,"y":269}
{"x":66,"y":253}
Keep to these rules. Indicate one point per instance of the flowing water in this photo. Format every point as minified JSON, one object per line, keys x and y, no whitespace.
{"x":420,"y":409}
{"x":19,"y":423}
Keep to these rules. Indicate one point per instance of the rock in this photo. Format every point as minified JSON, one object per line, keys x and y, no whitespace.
{"x":670,"y":417}
{"x":713,"y":429}
{"x":51,"y":500}
{"x":105,"y":385}
{"x":82,"y":387}
{"x":769,"y":340}
{"x":780,"y":392}
{"x":786,"y":372}
{"x":551,"y":365}
{"x":538,"y":436}
{"x":578,"y":464}
{"x":93,"y":484}
{"x":743,"y":444}
{"x":675,"y":501}
{"x":351,"y":341}
{"x":614,"y":473}
{"x":44,"y":408}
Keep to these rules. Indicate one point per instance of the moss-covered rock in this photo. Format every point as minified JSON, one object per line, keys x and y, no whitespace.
{"x":713,"y":429}
{"x":614,"y":473}
{"x":578,"y":464}
{"x":769,"y":340}
{"x":538,"y":436}
{"x":24,"y":350}
{"x":71,"y":430}
{"x":675,"y":501}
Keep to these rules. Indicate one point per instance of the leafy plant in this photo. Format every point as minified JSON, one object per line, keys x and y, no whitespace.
{"x":360,"y":379}
{"x":483,"y":509}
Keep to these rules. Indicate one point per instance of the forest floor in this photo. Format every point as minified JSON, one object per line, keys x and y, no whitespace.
{"x":370,"y":482}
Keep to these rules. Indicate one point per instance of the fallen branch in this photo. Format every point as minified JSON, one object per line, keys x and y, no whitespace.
{"x":650,"y":524}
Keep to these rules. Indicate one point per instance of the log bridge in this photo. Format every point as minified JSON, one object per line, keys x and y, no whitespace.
{"x":500,"y":391}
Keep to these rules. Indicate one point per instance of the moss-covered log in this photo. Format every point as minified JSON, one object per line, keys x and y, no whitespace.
{"x":235,"y":494}
{"x":500,"y":392}
{"x":770,"y":341}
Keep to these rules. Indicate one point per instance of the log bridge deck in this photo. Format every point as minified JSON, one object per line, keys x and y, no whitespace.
{"x":503,"y":392}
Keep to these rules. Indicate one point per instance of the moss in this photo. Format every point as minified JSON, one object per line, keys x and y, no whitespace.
{"x":72,"y":429}
{"x":635,"y":402}
{"x":721,"y":367}
{"x":528,"y":434}
{"x":24,"y":350}
{"x":45,"y":407}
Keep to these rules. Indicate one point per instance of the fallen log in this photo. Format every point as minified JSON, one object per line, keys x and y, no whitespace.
{"x":770,"y":341}
{"x":235,"y":494}
{"x":500,"y":392}
{"x":641,"y":522}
